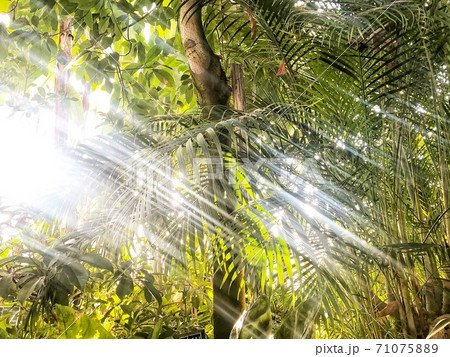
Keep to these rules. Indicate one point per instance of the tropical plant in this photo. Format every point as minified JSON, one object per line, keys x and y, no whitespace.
{"x":331,"y":190}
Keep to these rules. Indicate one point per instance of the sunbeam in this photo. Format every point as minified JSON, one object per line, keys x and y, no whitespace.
{"x":172,"y":169}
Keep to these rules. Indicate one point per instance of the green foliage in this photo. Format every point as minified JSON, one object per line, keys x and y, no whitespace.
{"x":71,"y":327}
{"x":97,"y":261}
{"x":257,"y":321}
{"x":107,"y":38}
{"x":109,"y":303}
{"x":335,"y":190}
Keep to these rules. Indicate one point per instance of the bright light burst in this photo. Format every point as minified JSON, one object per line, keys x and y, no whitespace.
{"x":5,"y":19}
{"x":29,"y":164}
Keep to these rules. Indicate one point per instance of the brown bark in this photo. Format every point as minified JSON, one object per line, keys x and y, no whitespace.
{"x":61,"y":79}
{"x":237,"y":81}
{"x":229,"y":300}
{"x":207,"y":73}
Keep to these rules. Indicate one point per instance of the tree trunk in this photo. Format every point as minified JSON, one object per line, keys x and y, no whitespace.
{"x":209,"y":78}
{"x":237,"y":81}
{"x":61,"y":80}
{"x":212,"y":89}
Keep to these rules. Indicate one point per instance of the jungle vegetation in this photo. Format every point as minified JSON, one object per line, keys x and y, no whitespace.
{"x":246,"y":168}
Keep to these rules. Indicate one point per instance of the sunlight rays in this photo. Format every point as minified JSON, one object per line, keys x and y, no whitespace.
{"x":338,"y":170}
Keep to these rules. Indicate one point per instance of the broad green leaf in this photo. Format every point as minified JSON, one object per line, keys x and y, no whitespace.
{"x":97,"y":261}
{"x":87,"y":328}
{"x":164,"y":76}
{"x":60,"y":293}
{"x":53,"y":48}
{"x":90,"y":327}
{"x":3,"y":334}
{"x":35,"y":20}
{"x":151,"y":292}
{"x":152,"y":54}
{"x":106,"y":42}
{"x":7,"y":260}
{"x":49,"y":3}
{"x":19,"y":23}
{"x":53,"y":20}
{"x":5,"y":286}
{"x":103,"y":25}
{"x":77,"y":274}
{"x":88,"y":19}
{"x":87,"y":4}
{"x":157,"y":329}
{"x":140,"y":52}
{"x":125,"y":287}
{"x":126,"y":265}
{"x":103,"y":333}
{"x":25,"y":292}
{"x":128,"y":309}
{"x":68,"y":327}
